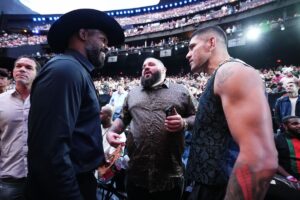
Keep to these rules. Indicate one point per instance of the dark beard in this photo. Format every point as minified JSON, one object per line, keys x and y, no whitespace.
{"x":148,"y":82}
{"x":95,"y":56}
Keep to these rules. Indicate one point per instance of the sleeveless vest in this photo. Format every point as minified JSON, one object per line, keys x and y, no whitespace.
{"x":213,"y":151}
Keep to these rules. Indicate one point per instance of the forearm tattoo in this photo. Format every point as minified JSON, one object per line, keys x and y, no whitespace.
{"x":246,"y":184}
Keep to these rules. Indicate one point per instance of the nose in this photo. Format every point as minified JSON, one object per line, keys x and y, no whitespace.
{"x":188,"y":55}
{"x":146,"y":67}
{"x":22,"y":68}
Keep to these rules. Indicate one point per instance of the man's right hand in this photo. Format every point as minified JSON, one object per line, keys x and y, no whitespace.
{"x":114,"y":139}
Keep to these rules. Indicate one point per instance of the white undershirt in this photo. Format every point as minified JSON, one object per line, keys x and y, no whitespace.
{"x":293,"y":102}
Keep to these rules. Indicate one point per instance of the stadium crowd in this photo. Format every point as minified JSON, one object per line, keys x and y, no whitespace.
{"x":149,"y":23}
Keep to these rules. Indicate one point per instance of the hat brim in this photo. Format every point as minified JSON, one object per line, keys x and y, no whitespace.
{"x":62,"y":29}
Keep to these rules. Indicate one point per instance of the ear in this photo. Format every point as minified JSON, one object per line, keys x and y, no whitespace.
{"x":285,"y":126}
{"x":212,"y":41}
{"x":82,"y":34}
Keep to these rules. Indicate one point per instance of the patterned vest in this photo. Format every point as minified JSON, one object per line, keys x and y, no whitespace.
{"x":213,"y":150}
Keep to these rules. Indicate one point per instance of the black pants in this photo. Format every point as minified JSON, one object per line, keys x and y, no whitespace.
{"x":38,"y":191}
{"x":139,"y":193}
{"x":11,"y":189}
{"x":87,"y":185}
{"x":207,"y":192}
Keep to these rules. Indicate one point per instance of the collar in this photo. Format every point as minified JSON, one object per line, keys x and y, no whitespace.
{"x":291,"y":135}
{"x":83,"y":60}
{"x":15,"y":94}
{"x":164,"y":84}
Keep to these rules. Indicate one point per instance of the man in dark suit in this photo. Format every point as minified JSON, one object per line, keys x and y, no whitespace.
{"x":65,"y":142}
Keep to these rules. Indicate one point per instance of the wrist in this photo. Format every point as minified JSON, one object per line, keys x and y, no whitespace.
{"x":184,"y":125}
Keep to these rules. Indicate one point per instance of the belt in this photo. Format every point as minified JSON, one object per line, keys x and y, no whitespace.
{"x":13,"y":180}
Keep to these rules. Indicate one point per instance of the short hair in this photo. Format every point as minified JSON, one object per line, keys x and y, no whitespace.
{"x":292,"y":82}
{"x":37,"y":64}
{"x":108,"y":109}
{"x":286,"y":119}
{"x":159,"y":61}
{"x":215,"y":29}
{"x":4,"y":73}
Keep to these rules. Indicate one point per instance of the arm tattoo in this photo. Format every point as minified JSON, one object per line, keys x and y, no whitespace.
{"x":224,"y":75}
{"x":245,"y":184}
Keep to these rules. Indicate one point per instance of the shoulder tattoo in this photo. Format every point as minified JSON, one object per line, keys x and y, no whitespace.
{"x":223,"y":75}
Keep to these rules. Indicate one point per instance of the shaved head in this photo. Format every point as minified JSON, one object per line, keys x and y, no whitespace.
{"x":215,"y":30}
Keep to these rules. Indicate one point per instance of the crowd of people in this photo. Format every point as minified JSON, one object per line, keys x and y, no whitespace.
{"x":275,"y":79}
{"x":17,"y":40}
{"x":227,"y":10}
{"x":149,"y":22}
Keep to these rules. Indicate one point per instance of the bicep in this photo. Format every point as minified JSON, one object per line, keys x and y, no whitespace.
{"x":246,"y":110}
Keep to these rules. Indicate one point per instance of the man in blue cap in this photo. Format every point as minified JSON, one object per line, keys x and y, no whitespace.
{"x":65,"y":143}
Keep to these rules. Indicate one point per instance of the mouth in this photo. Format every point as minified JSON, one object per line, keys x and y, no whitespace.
{"x":21,"y":76}
{"x":147,"y":74}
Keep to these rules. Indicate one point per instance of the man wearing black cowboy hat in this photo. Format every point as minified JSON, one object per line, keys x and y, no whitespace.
{"x":64,"y":142}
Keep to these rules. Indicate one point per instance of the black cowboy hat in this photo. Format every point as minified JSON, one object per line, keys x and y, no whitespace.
{"x":62,"y":29}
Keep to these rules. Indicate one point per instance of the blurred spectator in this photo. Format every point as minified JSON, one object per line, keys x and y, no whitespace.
{"x":117,"y":100}
{"x":288,"y":76}
{"x":287,"y":185}
{"x":3,"y":80}
{"x":105,"y":96}
{"x":279,"y":88}
{"x":288,"y":105}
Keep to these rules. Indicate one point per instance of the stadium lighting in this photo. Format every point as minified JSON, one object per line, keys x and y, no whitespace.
{"x":175,"y":4}
{"x":253,"y":33}
{"x":50,"y":18}
{"x":34,"y":19}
